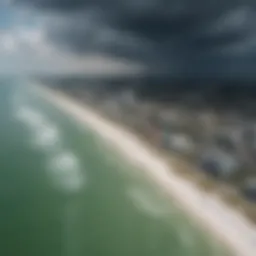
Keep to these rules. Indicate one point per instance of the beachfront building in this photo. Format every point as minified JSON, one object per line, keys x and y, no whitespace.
{"x":207,"y":123}
{"x":170,"y":118}
{"x":232,"y":153}
{"x":249,"y":188}
{"x":111,"y":108}
{"x":218,"y":163}
{"x":178,"y":142}
{"x":128,"y":98}
{"x":249,"y":142}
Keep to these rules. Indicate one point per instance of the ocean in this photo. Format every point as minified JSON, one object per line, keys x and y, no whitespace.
{"x":64,"y":192}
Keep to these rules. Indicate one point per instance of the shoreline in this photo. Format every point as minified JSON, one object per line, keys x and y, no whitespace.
{"x":227,"y":225}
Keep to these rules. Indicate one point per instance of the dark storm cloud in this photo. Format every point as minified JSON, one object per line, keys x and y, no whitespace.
{"x":175,"y":33}
{"x":59,"y":5}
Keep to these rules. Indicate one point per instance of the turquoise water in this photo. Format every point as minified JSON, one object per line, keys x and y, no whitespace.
{"x":65,"y":193}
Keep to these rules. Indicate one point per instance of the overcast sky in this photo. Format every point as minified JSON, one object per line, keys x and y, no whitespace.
{"x":184,"y":37}
{"x":26,"y":47}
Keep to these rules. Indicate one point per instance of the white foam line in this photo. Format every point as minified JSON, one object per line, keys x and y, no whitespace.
{"x":30,"y":116}
{"x":233,"y":228}
{"x":66,"y":170}
{"x":143,"y":202}
{"x":47,"y":136}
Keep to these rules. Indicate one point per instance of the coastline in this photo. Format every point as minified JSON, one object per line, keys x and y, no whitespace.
{"x":226,"y":224}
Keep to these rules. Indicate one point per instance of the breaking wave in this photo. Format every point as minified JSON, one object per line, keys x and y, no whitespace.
{"x":66,"y":171}
{"x":145,"y":203}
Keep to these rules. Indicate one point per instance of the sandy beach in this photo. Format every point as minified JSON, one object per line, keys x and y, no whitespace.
{"x":228,"y":225}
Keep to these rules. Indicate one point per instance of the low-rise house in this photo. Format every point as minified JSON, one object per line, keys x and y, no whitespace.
{"x":207,"y":122}
{"x":178,"y":141}
{"x":181,"y":143}
{"x":110,"y":107}
{"x":127,"y":98}
{"x":223,"y":154}
{"x":249,"y":143}
{"x":169,"y":118}
{"x":239,"y":140}
{"x":225,"y":142}
{"x":249,"y":189}
{"x":219,"y":163}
